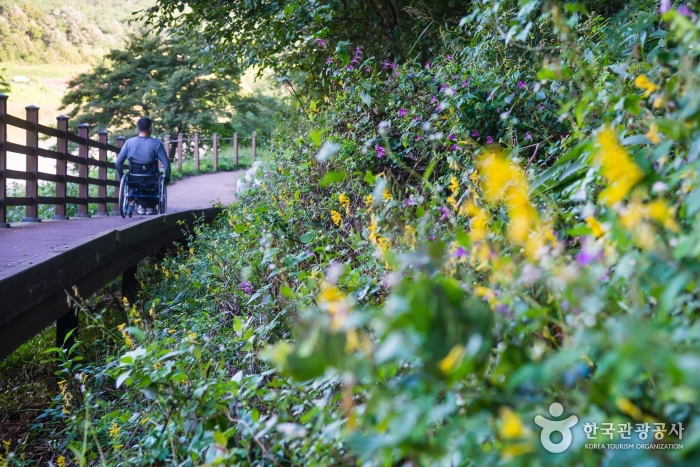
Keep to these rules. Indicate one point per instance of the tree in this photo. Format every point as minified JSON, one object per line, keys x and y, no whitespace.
{"x":290,"y":37}
{"x":163,"y":78}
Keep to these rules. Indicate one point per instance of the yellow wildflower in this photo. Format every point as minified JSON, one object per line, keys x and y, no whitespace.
{"x":617,"y":167}
{"x":661,"y":212}
{"x":511,"y":425}
{"x":61,"y":461}
{"x":479,"y":220}
{"x":452,"y":360}
{"x":658,"y":102}
{"x":345,"y":202}
{"x":653,"y":134}
{"x":454,"y":186}
{"x":336,"y":217}
{"x":369,"y":199}
{"x":114,"y":429}
{"x":333,"y":301}
{"x":452,"y":202}
{"x":643,"y":82}
{"x":373,"y":226}
{"x":387,"y":195}
{"x":410,"y":236}
{"x":352,"y":343}
{"x":595,"y":226}
{"x":628,"y":408}
{"x":383,"y":243}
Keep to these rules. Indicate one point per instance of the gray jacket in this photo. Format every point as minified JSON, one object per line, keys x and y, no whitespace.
{"x":143,"y":150}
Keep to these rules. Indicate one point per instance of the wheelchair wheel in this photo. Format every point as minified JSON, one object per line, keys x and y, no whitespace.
{"x":162,"y":196}
{"x":124,"y":196}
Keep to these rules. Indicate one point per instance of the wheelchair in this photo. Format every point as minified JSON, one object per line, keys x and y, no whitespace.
{"x":143,"y":182}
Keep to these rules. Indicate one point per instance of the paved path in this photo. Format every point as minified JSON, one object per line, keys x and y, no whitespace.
{"x":24,"y":243}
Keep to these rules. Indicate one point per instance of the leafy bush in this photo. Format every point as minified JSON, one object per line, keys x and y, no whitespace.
{"x":441,"y":252}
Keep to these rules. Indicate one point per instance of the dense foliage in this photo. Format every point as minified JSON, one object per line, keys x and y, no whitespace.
{"x":165,"y":78}
{"x":431,"y":260}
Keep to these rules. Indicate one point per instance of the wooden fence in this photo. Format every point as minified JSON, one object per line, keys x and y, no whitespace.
{"x":31,"y":199}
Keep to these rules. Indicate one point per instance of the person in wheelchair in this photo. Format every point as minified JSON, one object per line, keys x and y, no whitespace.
{"x":143,"y":154}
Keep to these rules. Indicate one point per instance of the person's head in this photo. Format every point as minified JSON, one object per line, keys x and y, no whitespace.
{"x":144,"y":126}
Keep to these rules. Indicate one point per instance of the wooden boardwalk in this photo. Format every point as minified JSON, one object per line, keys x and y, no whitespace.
{"x":41,"y":263}
{"x":27,"y":243}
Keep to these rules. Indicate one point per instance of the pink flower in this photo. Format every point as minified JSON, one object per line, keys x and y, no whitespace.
{"x":402,"y":112}
{"x":380,"y":151}
{"x":489,"y":139}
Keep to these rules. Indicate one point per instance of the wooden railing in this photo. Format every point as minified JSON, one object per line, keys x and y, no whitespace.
{"x":31,"y":199}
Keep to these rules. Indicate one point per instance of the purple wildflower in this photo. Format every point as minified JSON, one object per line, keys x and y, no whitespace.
{"x":349,"y":68}
{"x":416,"y":118}
{"x":392,"y":65}
{"x":431,"y":237}
{"x":419,"y":137}
{"x":489,"y":139}
{"x":443,"y":87}
{"x":448,"y":58}
{"x":402,"y":112}
{"x":522,"y":85}
{"x":475,"y":134}
{"x":452,"y":137}
{"x":385,"y":65}
{"x":687,"y":12}
{"x":433,"y":100}
{"x":465,"y":83}
{"x":283,"y":204}
{"x":490,"y":95}
{"x":427,"y":65}
{"x":368,"y":69}
{"x":586,"y":257}
{"x":321,"y":42}
{"x":329,"y":60}
{"x":664,"y":6}
{"x":380,"y":151}
{"x":528,"y":136}
{"x":455,"y":147}
{"x":358,"y":51}
{"x":247,"y":287}
{"x":541,"y":107}
{"x":409,"y":202}
{"x":445,"y":213}
{"x":459,"y":253}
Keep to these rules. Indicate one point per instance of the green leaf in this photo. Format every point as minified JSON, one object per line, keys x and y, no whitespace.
{"x":307,"y":238}
{"x":331,"y":178}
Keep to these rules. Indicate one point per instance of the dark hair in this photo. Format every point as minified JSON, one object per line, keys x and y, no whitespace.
{"x":144,"y":124}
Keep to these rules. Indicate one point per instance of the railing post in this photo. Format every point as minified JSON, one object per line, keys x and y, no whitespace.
{"x":166,"y":145}
{"x":179,"y":152}
{"x":61,"y":168}
{"x":120,"y":144}
{"x":32,"y":185}
{"x":3,"y":163}
{"x":254,"y":142}
{"x":196,"y":152}
{"x":235,"y":150}
{"x":215,"y":150}
{"x":102,"y":174}
{"x":83,"y":169}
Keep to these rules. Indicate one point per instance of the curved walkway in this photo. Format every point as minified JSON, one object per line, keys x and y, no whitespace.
{"x":26,"y":243}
